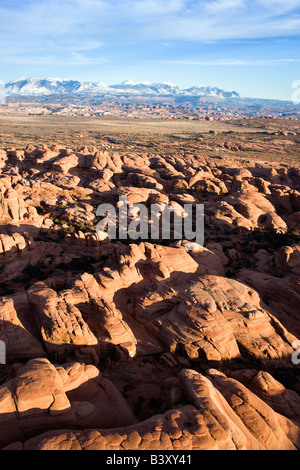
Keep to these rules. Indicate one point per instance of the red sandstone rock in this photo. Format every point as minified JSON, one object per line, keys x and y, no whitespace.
{"x":44,"y":397}
{"x":124,"y":324}
{"x":221,"y":414}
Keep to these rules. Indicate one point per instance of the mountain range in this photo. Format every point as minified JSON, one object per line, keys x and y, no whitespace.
{"x":57,"y":86}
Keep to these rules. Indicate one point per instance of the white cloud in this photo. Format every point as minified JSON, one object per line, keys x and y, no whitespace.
{"x":279,"y":6}
{"x":75,"y":59}
{"x":221,"y":6}
{"x":216,"y":28}
{"x":144,"y":8}
{"x":104,"y":21}
{"x":232,"y":62}
{"x":75,"y":45}
{"x":81,"y":59}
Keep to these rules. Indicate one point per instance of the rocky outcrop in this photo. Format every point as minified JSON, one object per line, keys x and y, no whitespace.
{"x":216,"y":413}
{"x":42,"y":396}
{"x":152,"y":342}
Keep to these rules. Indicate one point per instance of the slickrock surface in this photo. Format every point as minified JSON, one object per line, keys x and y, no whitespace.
{"x":149,"y":343}
{"x":216,"y":413}
{"x":41,"y":396}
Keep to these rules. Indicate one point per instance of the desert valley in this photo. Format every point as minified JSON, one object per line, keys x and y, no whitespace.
{"x":149,"y":343}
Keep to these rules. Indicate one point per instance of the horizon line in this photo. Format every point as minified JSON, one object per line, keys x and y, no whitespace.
{"x":134,"y":83}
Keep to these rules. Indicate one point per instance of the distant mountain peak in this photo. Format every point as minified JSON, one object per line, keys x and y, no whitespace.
{"x":56,"y":79}
{"x":54,"y":85}
{"x":170,"y":84}
{"x":132,"y":83}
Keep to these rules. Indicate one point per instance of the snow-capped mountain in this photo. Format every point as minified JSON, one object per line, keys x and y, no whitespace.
{"x":146,"y":88}
{"x":58,"y":86}
{"x":41,"y":86}
{"x":211,"y":91}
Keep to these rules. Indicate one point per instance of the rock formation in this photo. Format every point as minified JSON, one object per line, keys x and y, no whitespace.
{"x":154,"y":343}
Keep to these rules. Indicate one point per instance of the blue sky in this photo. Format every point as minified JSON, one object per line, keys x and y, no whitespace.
{"x":251,"y":47}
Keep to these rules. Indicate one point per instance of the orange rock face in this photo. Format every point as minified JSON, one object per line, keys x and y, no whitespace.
{"x":148,"y":344}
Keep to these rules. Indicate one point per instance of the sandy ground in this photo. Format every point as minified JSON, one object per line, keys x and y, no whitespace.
{"x":39,"y":125}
